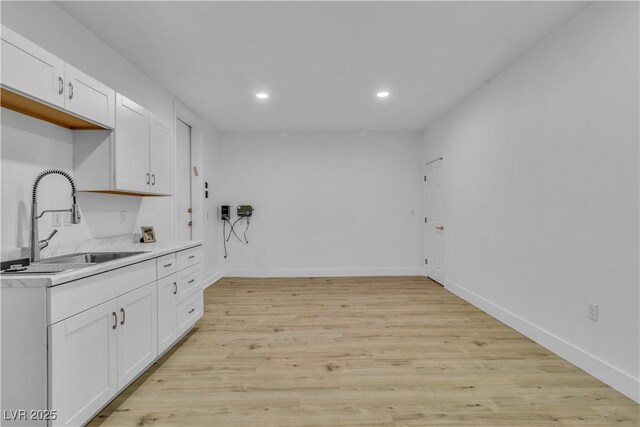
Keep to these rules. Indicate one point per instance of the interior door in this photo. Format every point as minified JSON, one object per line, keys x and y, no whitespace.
{"x":137,"y":332}
{"x":161,"y":159}
{"x":131,"y":146}
{"x":434,"y":221}
{"x":88,"y":97}
{"x":184,"y":171}
{"x":82,"y":358}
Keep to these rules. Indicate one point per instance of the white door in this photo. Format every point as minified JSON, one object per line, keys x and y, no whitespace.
{"x":184,"y":173}
{"x":434,"y":221}
{"x":83,"y":363}
{"x":167,"y":301}
{"x":161,"y":159}
{"x":31,"y":70}
{"x":137,"y":332}
{"x":131,"y":146}
{"x":89,"y":98}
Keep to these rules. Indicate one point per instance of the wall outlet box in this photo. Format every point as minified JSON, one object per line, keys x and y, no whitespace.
{"x":593,"y":311}
{"x":57,"y":218}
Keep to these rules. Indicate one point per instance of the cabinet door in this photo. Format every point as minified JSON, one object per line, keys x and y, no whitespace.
{"x":31,"y":70}
{"x":88,"y":97}
{"x":137,"y":332}
{"x":131,"y":146}
{"x":83,"y":363}
{"x":167,"y":302}
{"x":161,"y":158}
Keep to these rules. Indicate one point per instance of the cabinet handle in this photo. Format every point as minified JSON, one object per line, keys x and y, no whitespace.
{"x":192,"y":310}
{"x":70,"y":90}
{"x":167,"y":265}
{"x":153,"y":176}
{"x":192,"y":280}
{"x":115,"y":320}
{"x":122,"y":311}
{"x":175,"y":288}
{"x":148,"y":178}
{"x":60,"y":86}
{"x":192,"y":257}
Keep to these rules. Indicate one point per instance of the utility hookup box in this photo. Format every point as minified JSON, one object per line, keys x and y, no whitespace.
{"x":245,"y":210}
{"x":225,"y":214}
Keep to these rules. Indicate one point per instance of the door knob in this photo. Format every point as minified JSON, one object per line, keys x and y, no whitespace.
{"x":440,"y":227}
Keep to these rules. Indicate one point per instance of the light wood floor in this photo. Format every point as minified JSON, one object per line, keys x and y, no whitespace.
{"x":359,"y":352}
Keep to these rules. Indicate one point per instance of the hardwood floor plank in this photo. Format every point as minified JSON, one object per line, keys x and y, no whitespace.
{"x":359,"y":351}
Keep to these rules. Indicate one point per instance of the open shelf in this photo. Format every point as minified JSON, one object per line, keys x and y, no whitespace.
{"x":38,"y":110}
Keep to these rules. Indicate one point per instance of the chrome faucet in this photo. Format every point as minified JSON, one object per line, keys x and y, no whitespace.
{"x":36,"y":245}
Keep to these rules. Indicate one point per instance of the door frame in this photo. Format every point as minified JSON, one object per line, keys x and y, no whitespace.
{"x":428,"y":270}
{"x":184,"y":114}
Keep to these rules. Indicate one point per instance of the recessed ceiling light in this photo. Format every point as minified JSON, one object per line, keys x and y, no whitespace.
{"x":262,"y":95}
{"x":382,"y":94}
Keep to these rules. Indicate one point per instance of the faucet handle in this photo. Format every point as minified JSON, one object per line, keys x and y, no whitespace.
{"x":53,"y":233}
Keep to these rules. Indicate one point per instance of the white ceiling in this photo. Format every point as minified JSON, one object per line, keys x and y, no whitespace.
{"x":321,"y":62}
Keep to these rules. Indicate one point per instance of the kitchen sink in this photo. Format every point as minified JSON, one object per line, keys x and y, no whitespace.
{"x":64,"y":263}
{"x":88,"y":258}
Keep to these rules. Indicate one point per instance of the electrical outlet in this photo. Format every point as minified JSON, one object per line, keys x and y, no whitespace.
{"x":56,"y":219}
{"x":593,"y":311}
{"x":67,"y":219}
{"x":123,"y":217}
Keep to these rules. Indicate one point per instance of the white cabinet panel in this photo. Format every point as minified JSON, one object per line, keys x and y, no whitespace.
{"x":137,"y":332}
{"x":83,"y":363}
{"x":161,"y":156}
{"x":87,"y":97}
{"x":31,"y":70}
{"x":189,"y":311}
{"x":167,"y":306}
{"x":189,"y":280}
{"x":131,"y":146}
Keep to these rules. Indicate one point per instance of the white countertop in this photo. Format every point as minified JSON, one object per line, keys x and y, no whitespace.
{"x":111,"y":244}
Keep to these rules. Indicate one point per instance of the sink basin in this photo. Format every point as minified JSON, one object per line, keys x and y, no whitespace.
{"x":88,"y":258}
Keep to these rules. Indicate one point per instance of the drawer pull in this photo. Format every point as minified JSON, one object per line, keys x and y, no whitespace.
{"x":115,"y":320}
{"x":175,"y":288}
{"x":192,"y":280}
{"x":192,"y":310}
{"x":168,"y":265}
{"x":192,"y":257}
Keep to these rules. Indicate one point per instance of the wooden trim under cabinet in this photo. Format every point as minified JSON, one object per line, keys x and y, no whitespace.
{"x":25,"y":105}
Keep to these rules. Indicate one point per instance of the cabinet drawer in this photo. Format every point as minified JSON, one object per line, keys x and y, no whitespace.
{"x":190,"y":311}
{"x":189,"y":280}
{"x":189,"y":257}
{"x":73,"y":297}
{"x":166,"y":265}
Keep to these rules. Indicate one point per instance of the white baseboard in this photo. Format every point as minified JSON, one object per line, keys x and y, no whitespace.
{"x":211,"y":279}
{"x":594,"y":366}
{"x":409,"y":271}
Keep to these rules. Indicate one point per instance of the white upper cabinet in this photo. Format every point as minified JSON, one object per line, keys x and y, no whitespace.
{"x":87,"y":97}
{"x":29,"y":69}
{"x":131,"y":143}
{"x":160,"y":156}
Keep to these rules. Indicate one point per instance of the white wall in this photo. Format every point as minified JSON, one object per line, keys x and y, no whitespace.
{"x":326,"y":203}
{"x":29,"y":146}
{"x":541,"y":193}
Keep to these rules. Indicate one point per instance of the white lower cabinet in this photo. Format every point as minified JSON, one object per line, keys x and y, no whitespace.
{"x":83,"y":364}
{"x":167,"y":307}
{"x":95,"y":351}
{"x":137,"y":332}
